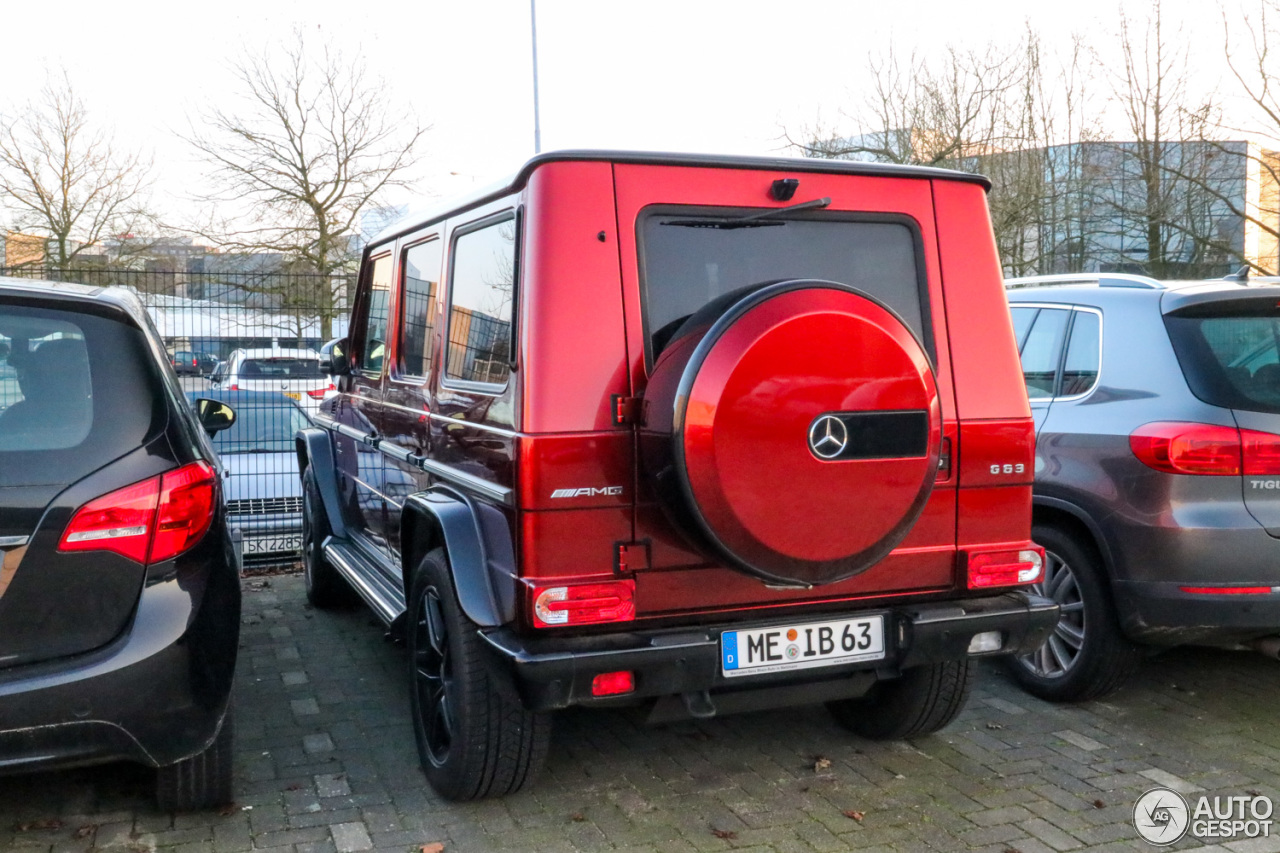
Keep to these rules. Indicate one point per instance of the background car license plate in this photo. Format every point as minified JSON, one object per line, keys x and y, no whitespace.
{"x":786,"y":647}
{"x":293,"y":395}
{"x":271,"y":544}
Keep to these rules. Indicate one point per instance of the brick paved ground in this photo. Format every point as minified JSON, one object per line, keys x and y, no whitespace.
{"x":326,"y":763}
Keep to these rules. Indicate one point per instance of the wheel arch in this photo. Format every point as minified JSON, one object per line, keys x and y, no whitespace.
{"x":477,"y":539}
{"x":1070,"y":518}
{"x":315,"y":450}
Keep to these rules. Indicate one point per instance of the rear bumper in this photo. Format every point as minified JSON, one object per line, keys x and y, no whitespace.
{"x":1161,"y":613}
{"x":157,"y":695}
{"x":556,"y":672}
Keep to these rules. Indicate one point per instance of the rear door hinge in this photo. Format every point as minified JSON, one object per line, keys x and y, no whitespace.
{"x":625,"y":410}
{"x":630,"y":556}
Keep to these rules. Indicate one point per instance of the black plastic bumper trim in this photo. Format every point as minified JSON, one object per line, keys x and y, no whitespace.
{"x":556,"y":672}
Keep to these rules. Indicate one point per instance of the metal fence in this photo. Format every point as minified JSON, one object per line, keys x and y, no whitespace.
{"x":250,"y":339}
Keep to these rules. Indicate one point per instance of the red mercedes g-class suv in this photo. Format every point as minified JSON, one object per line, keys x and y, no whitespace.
{"x":713,"y":433}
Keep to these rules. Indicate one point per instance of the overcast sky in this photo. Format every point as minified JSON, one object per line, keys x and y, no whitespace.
{"x":676,"y":75}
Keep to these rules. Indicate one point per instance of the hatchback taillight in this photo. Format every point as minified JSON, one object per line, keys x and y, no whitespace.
{"x":319,"y":393}
{"x":150,"y":521}
{"x":1205,"y":449}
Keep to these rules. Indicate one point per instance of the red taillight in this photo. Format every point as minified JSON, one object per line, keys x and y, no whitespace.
{"x":120,"y":521}
{"x":1227,"y":590}
{"x":584,"y":604}
{"x":186,"y":509}
{"x":1261,"y":451}
{"x":319,"y":393}
{"x":233,"y":387}
{"x":613,"y":683}
{"x":150,"y":521}
{"x":985,"y":569}
{"x":1181,"y":448}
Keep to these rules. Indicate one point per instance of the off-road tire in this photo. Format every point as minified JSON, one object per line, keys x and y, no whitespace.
{"x":1106,"y":658}
{"x":490,"y":745}
{"x":921,"y":701}
{"x":326,"y":587}
{"x":202,"y":781}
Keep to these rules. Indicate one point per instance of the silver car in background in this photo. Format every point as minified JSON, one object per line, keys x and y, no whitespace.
{"x":1157,"y":482}
{"x":295,"y":373}
{"x":260,"y":469}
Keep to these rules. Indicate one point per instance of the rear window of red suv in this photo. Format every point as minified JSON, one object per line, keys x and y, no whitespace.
{"x":689,"y":257}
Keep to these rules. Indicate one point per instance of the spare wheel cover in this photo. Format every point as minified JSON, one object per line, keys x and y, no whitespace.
{"x":806,"y":432}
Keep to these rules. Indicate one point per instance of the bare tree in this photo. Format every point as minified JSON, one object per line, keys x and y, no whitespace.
{"x":992,"y":110}
{"x":313,"y":145}
{"x":64,"y":179}
{"x":1251,"y":194}
{"x":1158,"y":191}
{"x":936,"y":113}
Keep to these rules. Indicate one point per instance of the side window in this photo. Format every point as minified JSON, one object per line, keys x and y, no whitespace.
{"x":374,"y":347}
{"x":1080,"y":371}
{"x":481,"y":309}
{"x":417,"y":316}
{"x":1043,"y":350}
{"x":1022,"y":319}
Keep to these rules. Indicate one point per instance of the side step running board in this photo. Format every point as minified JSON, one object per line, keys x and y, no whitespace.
{"x":383,"y":595}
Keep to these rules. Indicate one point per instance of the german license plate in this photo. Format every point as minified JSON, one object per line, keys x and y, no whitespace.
{"x":293,"y":395}
{"x":271,"y":544}
{"x":802,"y":646}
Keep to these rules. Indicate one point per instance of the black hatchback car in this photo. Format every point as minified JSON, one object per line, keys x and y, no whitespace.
{"x":1157,"y":470}
{"x":119,"y":590}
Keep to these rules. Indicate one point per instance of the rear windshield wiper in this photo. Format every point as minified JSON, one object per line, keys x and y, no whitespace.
{"x":751,"y":220}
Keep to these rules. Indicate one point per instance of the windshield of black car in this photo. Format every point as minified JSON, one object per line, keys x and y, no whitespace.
{"x":684,"y":266}
{"x":281,"y":368}
{"x":1230,"y":360}
{"x":261,"y":427}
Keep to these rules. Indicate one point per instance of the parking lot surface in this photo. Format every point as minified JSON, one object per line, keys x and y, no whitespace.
{"x":325,"y":762}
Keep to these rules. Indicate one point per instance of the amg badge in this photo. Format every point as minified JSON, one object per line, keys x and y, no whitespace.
{"x":587,"y":492}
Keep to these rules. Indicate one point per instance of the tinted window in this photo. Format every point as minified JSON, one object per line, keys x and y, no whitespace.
{"x":375,"y":327}
{"x":281,"y":368}
{"x":1080,"y":370}
{"x":261,"y":426}
{"x":1042,"y":351}
{"x":1230,"y":361}
{"x":1022,"y":319}
{"x":481,"y":304}
{"x":421,"y":285}
{"x":45,"y":399}
{"x":76,"y":392}
{"x":689,"y":258}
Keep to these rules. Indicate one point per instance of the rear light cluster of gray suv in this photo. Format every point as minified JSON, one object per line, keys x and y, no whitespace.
{"x":1208,"y":449}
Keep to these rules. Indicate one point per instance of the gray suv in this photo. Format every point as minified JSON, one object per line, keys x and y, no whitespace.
{"x":1157,"y":470}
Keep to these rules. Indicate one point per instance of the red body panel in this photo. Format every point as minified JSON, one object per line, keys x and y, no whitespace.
{"x":573,"y":346}
{"x":576,"y":471}
{"x":984,"y":355}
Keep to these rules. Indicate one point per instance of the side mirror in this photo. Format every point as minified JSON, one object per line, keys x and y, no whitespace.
{"x":215,"y":415}
{"x":333,"y":358}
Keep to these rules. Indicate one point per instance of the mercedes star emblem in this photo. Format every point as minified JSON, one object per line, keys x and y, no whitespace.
{"x":828,"y":437}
